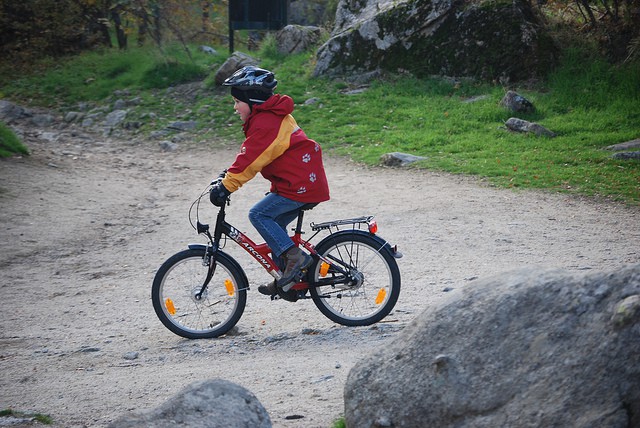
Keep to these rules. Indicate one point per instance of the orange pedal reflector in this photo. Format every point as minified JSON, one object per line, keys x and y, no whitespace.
{"x":169,"y":305}
{"x":229,"y":286}
{"x":324,"y":269}
{"x":381,"y":295}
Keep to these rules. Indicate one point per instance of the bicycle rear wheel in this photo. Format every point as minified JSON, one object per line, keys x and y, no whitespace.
{"x":371,"y":288}
{"x":177,"y":284}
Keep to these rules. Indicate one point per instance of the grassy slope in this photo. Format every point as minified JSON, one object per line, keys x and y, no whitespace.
{"x":588,"y":103}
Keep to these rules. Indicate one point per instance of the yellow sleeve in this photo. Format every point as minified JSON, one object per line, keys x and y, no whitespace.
{"x":258,"y":151}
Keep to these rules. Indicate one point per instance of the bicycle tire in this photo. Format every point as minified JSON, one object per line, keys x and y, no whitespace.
{"x":178,"y":281}
{"x":376,"y":292}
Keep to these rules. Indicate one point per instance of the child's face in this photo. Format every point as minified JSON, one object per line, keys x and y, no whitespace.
{"x":242,"y":108}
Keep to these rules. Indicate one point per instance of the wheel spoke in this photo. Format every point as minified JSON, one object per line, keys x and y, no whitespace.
{"x":373,"y":285}
{"x":213,"y":312}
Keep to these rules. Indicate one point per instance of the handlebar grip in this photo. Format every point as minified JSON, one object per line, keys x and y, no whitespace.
{"x":220,"y":177}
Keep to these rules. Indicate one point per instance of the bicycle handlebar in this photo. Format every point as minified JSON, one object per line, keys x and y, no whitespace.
{"x":220,"y":177}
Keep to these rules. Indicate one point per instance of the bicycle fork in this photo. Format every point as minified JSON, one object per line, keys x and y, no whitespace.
{"x":210,"y":260}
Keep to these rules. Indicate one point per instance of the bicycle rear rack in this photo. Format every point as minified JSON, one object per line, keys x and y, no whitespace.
{"x":336,"y":223}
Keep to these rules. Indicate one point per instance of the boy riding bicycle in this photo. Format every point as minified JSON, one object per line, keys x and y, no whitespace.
{"x":276,"y":147}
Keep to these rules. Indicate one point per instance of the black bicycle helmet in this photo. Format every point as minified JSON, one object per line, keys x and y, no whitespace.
{"x":252,"y":78}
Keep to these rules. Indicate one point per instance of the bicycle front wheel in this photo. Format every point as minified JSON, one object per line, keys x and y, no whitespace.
{"x":180,"y":306}
{"x":371,"y":287}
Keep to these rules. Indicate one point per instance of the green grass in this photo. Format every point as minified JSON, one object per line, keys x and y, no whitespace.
{"x":9,"y":143}
{"x":340,"y":423}
{"x":40,"y":418}
{"x":93,"y":76}
{"x":589,"y":107}
{"x":457,"y":125}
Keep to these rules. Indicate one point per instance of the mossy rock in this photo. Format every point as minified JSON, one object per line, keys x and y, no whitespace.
{"x":487,"y":40}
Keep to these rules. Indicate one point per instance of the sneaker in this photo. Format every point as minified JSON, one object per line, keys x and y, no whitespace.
{"x":296,"y":261}
{"x":268,"y":290}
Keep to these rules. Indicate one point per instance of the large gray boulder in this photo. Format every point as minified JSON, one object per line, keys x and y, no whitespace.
{"x":536,"y":348}
{"x":235,"y":62}
{"x":461,"y":38}
{"x":294,"y":39}
{"x":205,"y":404}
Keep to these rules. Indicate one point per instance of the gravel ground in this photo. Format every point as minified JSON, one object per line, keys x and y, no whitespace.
{"x":86,"y":221}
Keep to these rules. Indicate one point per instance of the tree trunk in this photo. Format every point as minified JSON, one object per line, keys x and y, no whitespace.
{"x":120,"y":34}
{"x":143,"y":28}
{"x":157,"y":32}
{"x":585,"y":4}
{"x":205,"y":5}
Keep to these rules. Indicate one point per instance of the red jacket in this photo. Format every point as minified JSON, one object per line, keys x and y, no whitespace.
{"x":277,"y":148}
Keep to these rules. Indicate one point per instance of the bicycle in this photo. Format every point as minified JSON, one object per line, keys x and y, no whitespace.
{"x":354,"y":279}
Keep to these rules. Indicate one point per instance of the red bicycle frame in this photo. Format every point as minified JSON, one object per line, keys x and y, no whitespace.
{"x":261,"y":252}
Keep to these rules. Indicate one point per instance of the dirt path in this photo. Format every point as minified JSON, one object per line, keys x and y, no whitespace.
{"x":86,"y":221}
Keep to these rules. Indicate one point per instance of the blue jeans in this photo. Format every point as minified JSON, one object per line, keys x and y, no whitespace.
{"x":270,"y":217}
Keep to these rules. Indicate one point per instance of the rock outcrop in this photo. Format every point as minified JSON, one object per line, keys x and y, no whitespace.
{"x":528,"y":348}
{"x":486,"y":40}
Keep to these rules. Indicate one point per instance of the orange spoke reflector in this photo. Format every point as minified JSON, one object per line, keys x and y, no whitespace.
{"x":381,"y":295}
{"x":373,"y":227}
{"x":169,"y":305}
{"x":229,"y":286}
{"x":324,"y":269}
